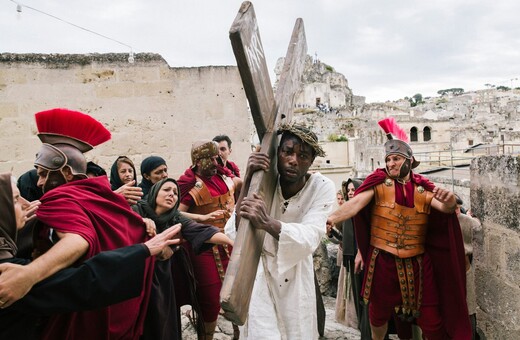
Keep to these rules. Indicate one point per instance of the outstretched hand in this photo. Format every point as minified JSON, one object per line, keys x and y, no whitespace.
{"x":130,"y":192}
{"x":446,"y":201}
{"x":214,"y":215}
{"x":159,"y":242}
{"x":443,"y":195}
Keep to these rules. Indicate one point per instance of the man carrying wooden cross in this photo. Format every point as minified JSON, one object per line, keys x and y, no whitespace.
{"x":283,"y":301}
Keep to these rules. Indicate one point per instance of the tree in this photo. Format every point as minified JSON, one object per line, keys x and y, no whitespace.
{"x":503,"y":88}
{"x":416,"y":100}
{"x":454,"y":91}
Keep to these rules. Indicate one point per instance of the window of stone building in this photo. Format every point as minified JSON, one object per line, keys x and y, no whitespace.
{"x":361,"y":156}
{"x":470,"y":141}
{"x":427,"y":134}
{"x":318,"y":101}
{"x":413,"y":134}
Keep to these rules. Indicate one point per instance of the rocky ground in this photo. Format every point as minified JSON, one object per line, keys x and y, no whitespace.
{"x":333,"y":330}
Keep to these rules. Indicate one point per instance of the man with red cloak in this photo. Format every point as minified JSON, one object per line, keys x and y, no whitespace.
{"x":79,"y":217}
{"x":411,"y":246}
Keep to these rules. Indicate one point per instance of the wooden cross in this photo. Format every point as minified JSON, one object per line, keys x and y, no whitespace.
{"x":268,"y":112}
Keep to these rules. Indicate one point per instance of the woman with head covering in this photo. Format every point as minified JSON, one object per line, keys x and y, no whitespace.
{"x":122,"y":172}
{"x":153,"y":169}
{"x":175,"y":274}
{"x":13,"y":215}
{"x":349,"y":283}
{"x":123,"y":180}
{"x":107,"y":278}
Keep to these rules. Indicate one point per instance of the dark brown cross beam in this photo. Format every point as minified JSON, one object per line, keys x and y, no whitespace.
{"x":268,"y":112}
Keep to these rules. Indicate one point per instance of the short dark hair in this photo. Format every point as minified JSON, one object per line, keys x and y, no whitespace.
{"x":221,"y":138}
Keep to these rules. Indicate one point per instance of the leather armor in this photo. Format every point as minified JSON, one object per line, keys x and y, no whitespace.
{"x":205,"y":203}
{"x":397,"y":229}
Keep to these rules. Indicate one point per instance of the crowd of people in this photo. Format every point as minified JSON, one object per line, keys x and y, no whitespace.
{"x":84,"y":255}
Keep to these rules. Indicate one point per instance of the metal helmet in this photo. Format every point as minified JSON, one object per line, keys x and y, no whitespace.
{"x":66,"y":135}
{"x":398,"y":146}
{"x":203,"y":149}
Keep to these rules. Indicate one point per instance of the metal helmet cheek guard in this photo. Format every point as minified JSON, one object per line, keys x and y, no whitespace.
{"x":55,"y":158}
{"x":394,"y":146}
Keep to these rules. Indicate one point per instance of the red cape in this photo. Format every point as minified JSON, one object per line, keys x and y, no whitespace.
{"x":89,"y":208}
{"x":445,"y":247}
{"x":215,"y":184}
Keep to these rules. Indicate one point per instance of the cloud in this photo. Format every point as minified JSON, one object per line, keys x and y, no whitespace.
{"x":386,"y":49}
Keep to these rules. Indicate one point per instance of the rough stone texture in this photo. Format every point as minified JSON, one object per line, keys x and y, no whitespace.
{"x":495,"y":199}
{"x":323,"y":266}
{"x":333,"y":330}
{"x":149,"y":107}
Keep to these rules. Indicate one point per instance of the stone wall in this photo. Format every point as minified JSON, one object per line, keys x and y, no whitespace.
{"x":149,"y":107}
{"x":495,"y":199}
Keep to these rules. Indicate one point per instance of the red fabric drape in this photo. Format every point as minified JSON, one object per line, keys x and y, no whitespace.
{"x":443,"y":244}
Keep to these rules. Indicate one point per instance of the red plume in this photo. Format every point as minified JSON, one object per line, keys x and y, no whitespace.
{"x":389,"y":125}
{"x":72,"y":124}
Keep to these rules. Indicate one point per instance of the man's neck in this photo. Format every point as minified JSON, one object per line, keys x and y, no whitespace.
{"x":291,"y":189}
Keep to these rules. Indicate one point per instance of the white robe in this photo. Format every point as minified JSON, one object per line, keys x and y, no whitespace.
{"x":283,"y":302}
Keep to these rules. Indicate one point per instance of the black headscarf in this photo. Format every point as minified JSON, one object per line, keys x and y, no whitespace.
{"x":115,"y":180}
{"x":148,"y":164}
{"x":146,"y":207}
{"x":28,"y":186}
{"x":8,"y":230}
{"x":95,"y":169}
{"x":349,"y":240}
{"x":182,"y":268}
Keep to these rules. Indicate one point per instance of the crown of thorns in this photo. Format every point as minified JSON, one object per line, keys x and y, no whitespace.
{"x":306,"y":135}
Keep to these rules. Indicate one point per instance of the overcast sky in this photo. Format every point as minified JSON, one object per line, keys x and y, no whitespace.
{"x":387,"y":49}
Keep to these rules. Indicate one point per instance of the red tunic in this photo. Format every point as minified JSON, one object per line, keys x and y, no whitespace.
{"x":204,"y":265}
{"x":444,"y":247}
{"x":90,"y":209}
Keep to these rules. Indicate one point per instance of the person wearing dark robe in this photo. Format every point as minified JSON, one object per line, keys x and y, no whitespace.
{"x":411,"y":246}
{"x":91,"y":285}
{"x":163,"y":314}
{"x":79,"y":217}
{"x":153,"y":169}
{"x":348,"y":308}
{"x":28,"y":185}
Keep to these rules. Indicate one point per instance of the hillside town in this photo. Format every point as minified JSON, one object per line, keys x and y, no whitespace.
{"x":466,"y":141}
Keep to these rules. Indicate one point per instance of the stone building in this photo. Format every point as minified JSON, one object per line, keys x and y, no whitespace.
{"x":495,"y":200}
{"x":149,"y":107}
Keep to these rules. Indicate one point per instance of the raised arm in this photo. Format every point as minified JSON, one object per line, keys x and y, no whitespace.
{"x":351,"y":207}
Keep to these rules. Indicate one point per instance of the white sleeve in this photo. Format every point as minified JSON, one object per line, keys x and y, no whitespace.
{"x":299,"y":240}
